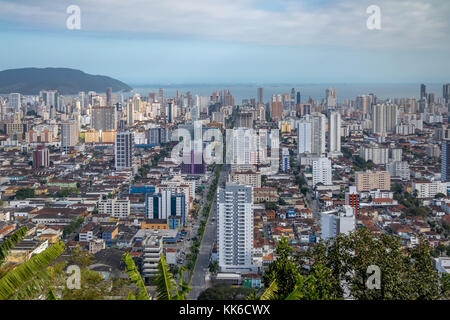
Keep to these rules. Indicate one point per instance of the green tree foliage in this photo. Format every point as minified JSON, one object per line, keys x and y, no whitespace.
{"x":65,"y":192}
{"x":300,"y":180}
{"x":73,"y":226}
{"x":93,"y":287}
{"x":166,"y":286}
{"x":318,"y":285}
{"x":24,"y":193}
{"x":341,"y":266}
{"x":51,"y":295}
{"x":20,"y":276}
{"x":271,"y":206}
{"x":406,"y":273}
{"x":361,"y":164}
{"x":284,"y":270}
{"x":9,"y":243}
{"x":346,"y":152}
{"x":271,"y":292}
{"x":136,"y":278}
{"x":214,"y":267}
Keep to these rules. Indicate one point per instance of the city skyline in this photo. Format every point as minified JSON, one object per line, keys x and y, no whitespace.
{"x":242,"y":41}
{"x":225,"y":150}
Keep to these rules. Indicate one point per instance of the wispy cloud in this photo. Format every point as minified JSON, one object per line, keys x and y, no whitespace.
{"x":409,"y":23}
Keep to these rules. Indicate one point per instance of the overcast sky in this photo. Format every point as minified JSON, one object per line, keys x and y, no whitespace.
{"x":232,"y":41}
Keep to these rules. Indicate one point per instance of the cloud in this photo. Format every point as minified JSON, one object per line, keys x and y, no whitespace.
{"x":405,"y":24}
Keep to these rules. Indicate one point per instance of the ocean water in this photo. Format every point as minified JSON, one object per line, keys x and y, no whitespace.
{"x":315,"y":91}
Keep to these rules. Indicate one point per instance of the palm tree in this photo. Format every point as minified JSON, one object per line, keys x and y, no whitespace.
{"x":136,"y":278}
{"x":166,"y":286}
{"x":29,"y":277}
{"x":10,"y":243}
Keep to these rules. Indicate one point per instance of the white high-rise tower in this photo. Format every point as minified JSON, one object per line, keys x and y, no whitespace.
{"x":334,"y":133}
{"x":235,"y":227}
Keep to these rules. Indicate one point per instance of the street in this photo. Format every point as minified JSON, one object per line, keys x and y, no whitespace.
{"x":198,"y":283}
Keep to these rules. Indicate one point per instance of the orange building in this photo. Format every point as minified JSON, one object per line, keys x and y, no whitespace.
{"x":155,"y":224}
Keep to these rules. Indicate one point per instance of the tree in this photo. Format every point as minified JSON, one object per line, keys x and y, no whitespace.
{"x":271,"y":206}
{"x":166,"y":286}
{"x":10,"y":243}
{"x":136,"y":278}
{"x":73,"y":226}
{"x":318,"y":285}
{"x":28,"y":275}
{"x":214,"y":267}
{"x":24,"y":193}
{"x":406,"y":273}
{"x":65,"y":192}
{"x":283,"y":270}
{"x":300,"y":180}
{"x":93,"y":287}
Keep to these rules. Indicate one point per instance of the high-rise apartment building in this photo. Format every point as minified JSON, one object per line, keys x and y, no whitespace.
{"x":235,"y":227}
{"x":318,"y":121}
{"x":117,"y":208}
{"x":41,"y":157}
{"x":157,"y":136}
{"x":285,"y":160}
{"x":446,"y":92}
{"x":260,"y":95}
{"x":193,"y":162}
{"x":123,"y":150}
{"x":334,"y":133}
{"x":246,"y":146}
{"x":166,"y":204}
{"x":304,"y":137}
{"x":276,"y":108}
{"x":375,"y":153}
{"x":82,"y":98}
{"x":331,"y":98}
{"x":130,"y":114}
{"x":384,"y":118}
{"x":321,"y":168}
{"x":14,"y":101}
{"x":109,"y":96}
{"x":399,"y":169}
{"x":333,"y":224}
{"x":104,"y":118}
{"x":151,"y":255}
{"x":363,"y":104}
{"x":445,"y":160}
{"x":69,"y":135}
{"x":423,"y":91}
{"x":50,"y":98}
{"x":373,"y":180}
{"x":170,"y":111}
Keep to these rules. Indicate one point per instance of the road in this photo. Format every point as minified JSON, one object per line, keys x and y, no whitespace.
{"x":198,"y":283}
{"x":313,"y":204}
